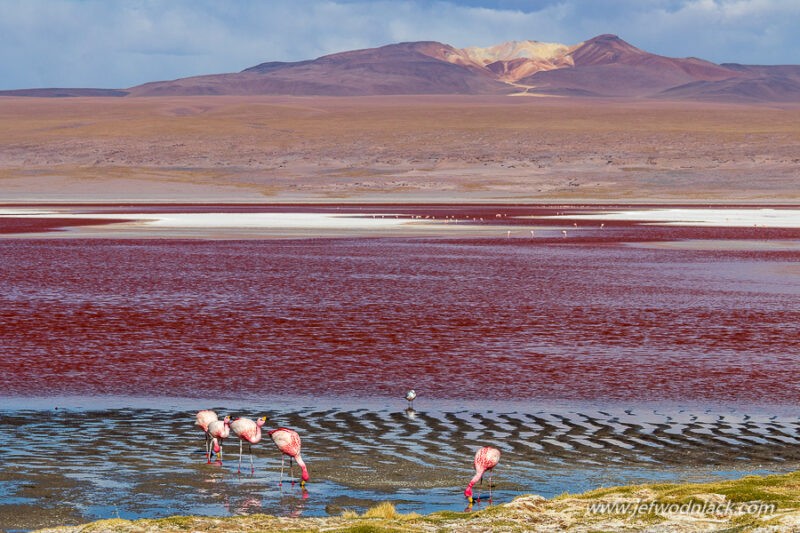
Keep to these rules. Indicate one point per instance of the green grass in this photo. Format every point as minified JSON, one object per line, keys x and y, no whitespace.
{"x":781,"y":489}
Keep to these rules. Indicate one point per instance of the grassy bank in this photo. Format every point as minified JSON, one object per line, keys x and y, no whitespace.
{"x":754,"y":503}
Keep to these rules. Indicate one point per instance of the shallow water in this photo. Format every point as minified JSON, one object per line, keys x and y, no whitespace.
{"x":141,"y":461}
{"x":613,"y":355}
{"x":456,"y":319}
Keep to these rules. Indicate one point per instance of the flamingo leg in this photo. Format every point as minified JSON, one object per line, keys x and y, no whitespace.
{"x":291,"y":470}
{"x":250,"y":451}
{"x":240,"y":457}
{"x":283,"y":458}
{"x":208,"y":449}
{"x":490,"y":486}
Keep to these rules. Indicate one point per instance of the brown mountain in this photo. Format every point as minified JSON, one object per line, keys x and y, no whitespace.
{"x":605,"y":66}
{"x":760,"y":83}
{"x":608,"y":66}
{"x":405,"y":68}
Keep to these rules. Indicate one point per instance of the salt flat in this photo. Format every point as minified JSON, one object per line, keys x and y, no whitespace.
{"x":733,"y":217}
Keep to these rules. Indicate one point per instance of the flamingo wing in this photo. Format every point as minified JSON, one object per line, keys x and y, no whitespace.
{"x":245,"y":429}
{"x":204,"y":418}
{"x":287,"y":441}
{"x":487,"y":458}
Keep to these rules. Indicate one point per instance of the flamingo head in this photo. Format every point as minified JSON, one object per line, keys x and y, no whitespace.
{"x":261,"y":421}
{"x":227,"y":420}
{"x":468,"y":493}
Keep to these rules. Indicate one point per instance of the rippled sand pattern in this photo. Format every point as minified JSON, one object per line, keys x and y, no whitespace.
{"x":146,"y":462}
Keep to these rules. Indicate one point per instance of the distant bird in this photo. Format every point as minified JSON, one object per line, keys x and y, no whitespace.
{"x":204,"y":418}
{"x":288,"y":442}
{"x":485,"y":460}
{"x":219,"y":430}
{"x":564,"y":233}
{"x":410,"y":395}
{"x":249,"y":431}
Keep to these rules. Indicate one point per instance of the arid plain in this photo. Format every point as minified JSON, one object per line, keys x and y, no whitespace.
{"x":395,"y":149}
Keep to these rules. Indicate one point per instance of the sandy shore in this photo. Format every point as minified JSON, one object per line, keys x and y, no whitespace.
{"x":764,"y":504}
{"x":389,"y":149}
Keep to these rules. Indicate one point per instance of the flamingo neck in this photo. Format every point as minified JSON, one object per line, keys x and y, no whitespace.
{"x":477,"y":477}
{"x":302,"y":466}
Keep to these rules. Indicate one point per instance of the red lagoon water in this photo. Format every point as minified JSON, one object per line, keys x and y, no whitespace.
{"x":460,"y":319}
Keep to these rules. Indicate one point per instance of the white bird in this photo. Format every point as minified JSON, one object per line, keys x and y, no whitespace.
{"x":410,"y":395}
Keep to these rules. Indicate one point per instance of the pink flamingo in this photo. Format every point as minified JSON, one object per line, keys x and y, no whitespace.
{"x":249,"y":431}
{"x":219,"y":430}
{"x":288,"y":442}
{"x":204,"y":418}
{"x":485,"y":460}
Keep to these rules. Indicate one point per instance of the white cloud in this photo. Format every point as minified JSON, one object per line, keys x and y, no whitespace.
{"x":99,"y":43}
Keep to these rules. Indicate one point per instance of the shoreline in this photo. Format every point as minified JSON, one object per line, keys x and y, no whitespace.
{"x":253,"y":221}
{"x":753,"y":502}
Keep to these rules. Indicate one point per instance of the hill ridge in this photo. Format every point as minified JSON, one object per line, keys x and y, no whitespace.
{"x":603,"y":66}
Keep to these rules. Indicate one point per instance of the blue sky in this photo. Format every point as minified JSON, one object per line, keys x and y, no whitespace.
{"x":121,"y":43}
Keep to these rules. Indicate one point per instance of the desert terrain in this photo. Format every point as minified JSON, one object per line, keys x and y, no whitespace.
{"x":279,"y":149}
